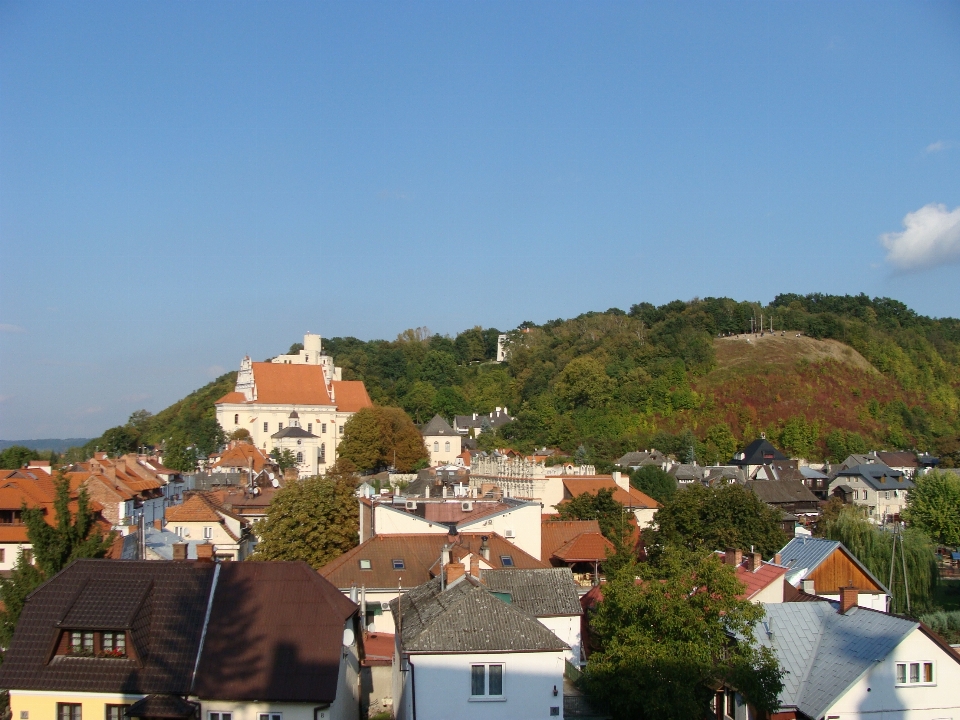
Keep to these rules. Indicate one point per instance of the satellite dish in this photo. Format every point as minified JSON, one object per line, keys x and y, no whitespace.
{"x":256,"y":491}
{"x":348,"y":637}
{"x":270,"y":475}
{"x":275,"y":483}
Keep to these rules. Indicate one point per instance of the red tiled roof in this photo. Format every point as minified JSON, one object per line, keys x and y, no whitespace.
{"x":239,"y":456}
{"x":421,"y":557}
{"x":351,"y":395}
{"x":282,"y":384}
{"x":232,"y":397}
{"x":378,"y":649}
{"x":759,"y":579}
{"x":195,"y":508}
{"x":632,"y":498}
{"x":554,"y":534}
{"x":586,"y":547}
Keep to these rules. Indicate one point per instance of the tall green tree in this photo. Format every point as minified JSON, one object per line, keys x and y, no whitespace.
{"x":873,"y":546}
{"x":315,"y":520}
{"x":934,"y":507}
{"x":284,"y":458}
{"x":610,"y":514}
{"x":24,"y":579}
{"x":717,"y":518}
{"x":664,"y":631}
{"x":75,"y":535}
{"x":378,"y":437}
{"x":655,"y":482}
{"x":16,"y":456}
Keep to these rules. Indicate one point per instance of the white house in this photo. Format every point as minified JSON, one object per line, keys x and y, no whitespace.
{"x":309,"y":384}
{"x":442,"y":441}
{"x":847,"y":662}
{"x":880,"y":489}
{"x":464,"y":653}
{"x":199,"y":519}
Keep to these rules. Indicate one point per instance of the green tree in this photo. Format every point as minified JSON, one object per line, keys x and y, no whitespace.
{"x":584,"y":382}
{"x":315,"y":520}
{"x":934,"y":507}
{"x":655,"y":482}
{"x":75,"y":535}
{"x":16,"y":456}
{"x":140,"y":420}
{"x":285,"y":458}
{"x":665,"y":641}
{"x":24,"y":579}
{"x":873,"y":547}
{"x":717,"y":518}
{"x":720,"y":444}
{"x":119,"y":440}
{"x":610,"y":515}
{"x":378,"y":437}
{"x":418,"y":400}
{"x":179,"y":456}
{"x":449,"y":401}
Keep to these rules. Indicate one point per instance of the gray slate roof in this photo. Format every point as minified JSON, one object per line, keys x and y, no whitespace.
{"x":641,"y":458}
{"x":437,"y":426}
{"x":804,"y":554}
{"x":824,"y":652}
{"x":294,"y":432}
{"x":466,"y":617}
{"x":542,"y":593}
{"x":879,"y":477}
{"x":782,"y":492}
{"x":811,"y":474}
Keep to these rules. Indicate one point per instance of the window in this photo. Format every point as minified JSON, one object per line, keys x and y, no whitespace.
{"x":915,"y":673}
{"x":323,"y":428}
{"x":179,"y":531}
{"x":3,"y":555}
{"x":68,"y":711}
{"x":116,"y":712}
{"x":236,"y":419}
{"x":266,"y":426}
{"x":279,"y":426}
{"x":81,"y":643}
{"x":323,"y":453}
{"x":486,"y":681}
{"x":309,"y":427}
{"x":341,"y":429}
{"x":436,"y":446}
{"x":299,"y":457}
{"x":207,"y":533}
{"x":446,"y":446}
{"x":220,"y":716}
{"x":398,"y":564}
{"x":364,"y":564}
{"x":506,"y":560}
{"x":270,"y":716}
{"x":115,"y":644}
{"x":27,"y":556}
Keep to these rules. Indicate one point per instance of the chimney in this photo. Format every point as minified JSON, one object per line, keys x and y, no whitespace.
{"x":754,"y":561}
{"x":733,"y":557}
{"x":453,"y":572}
{"x":848,"y":599}
{"x":158,"y":524}
{"x":484,"y":548}
{"x":621,"y":480}
{"x":179,"y":551}
{"x":205,"y":552}
{"x":778,"y":559}
{"x":808,"y":586}
{"x":426,"y":491}
{"x":475,"y":565}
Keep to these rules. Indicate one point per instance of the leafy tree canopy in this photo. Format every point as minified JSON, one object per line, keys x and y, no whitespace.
{"x":611,"y":515}
{"x":655,"y":482}
{"x":664,"y":631}
{"x":934,"y":507}
{"x":315,"y":520}
{"x":16,"y":456}
{"x":717,"y":518}
{"x":284,"y":458}
{"x":379,"y":437}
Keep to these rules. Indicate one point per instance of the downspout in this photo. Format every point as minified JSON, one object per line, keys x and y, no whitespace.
{"x":413,"y":687}
{"x":206,"y":623}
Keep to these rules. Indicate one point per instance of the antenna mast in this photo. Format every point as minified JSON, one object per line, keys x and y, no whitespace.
{"x":898,"y":538}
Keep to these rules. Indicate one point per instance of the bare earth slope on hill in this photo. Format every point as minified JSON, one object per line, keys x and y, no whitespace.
{"x":745,"y":350}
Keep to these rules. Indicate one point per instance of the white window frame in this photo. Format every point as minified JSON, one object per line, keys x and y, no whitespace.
{"x":207,"y":532}
{"x":487,"y":697}
{"x":908,"y":682}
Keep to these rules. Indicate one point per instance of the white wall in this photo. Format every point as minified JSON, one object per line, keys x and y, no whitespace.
{"x":567,"y":628}
{"x":877,"y":693}
{"x":388,"y":521}
{"x":874,"y":601}
{"x":443,"y":687}
{"x":11,"y":551}
{"x":442,"y":456}
{"x":524,"y":521}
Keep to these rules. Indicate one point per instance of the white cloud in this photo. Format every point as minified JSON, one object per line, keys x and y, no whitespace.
{"x":931,"y":237}
{"x":937,"y":146}
{"x":4,"y":327}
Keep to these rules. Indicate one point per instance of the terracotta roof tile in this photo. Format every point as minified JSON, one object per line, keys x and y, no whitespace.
{"x":554,"y":534}
{"x":631,"y":498}
{"x":196,"y":508}
{"x":351,"y":395}
{"x":232,"y":397}
{"x":586,"y":547}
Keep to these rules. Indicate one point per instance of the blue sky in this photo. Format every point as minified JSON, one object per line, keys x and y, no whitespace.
{"x":185,"y":183}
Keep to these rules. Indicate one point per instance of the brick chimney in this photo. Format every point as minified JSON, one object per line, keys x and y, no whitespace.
{"x":848,"y":599}
{"x":205,"y":552}
{"x":453,"y":571}
{"x":778,"y":559}
{"x":158,"y":524}
{"x":754,"y":561}
{"x":475,"y":565}
{"x":179,"y":551}
{"x":733,"y":557}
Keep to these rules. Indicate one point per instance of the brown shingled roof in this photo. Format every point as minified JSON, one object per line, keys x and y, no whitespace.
{"x":420,"y":554}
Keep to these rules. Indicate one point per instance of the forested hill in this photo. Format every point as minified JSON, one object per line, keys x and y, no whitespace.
{"x":866,"y":374}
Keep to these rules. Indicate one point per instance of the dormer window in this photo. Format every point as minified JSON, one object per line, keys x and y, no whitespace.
{"x":115,"y":644}
{"x":90,"y":643}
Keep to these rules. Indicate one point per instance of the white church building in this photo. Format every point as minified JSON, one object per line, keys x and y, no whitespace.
{"x":307,"y":385}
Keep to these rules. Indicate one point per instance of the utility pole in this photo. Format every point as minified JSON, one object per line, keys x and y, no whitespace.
{"x":898,"y":538}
